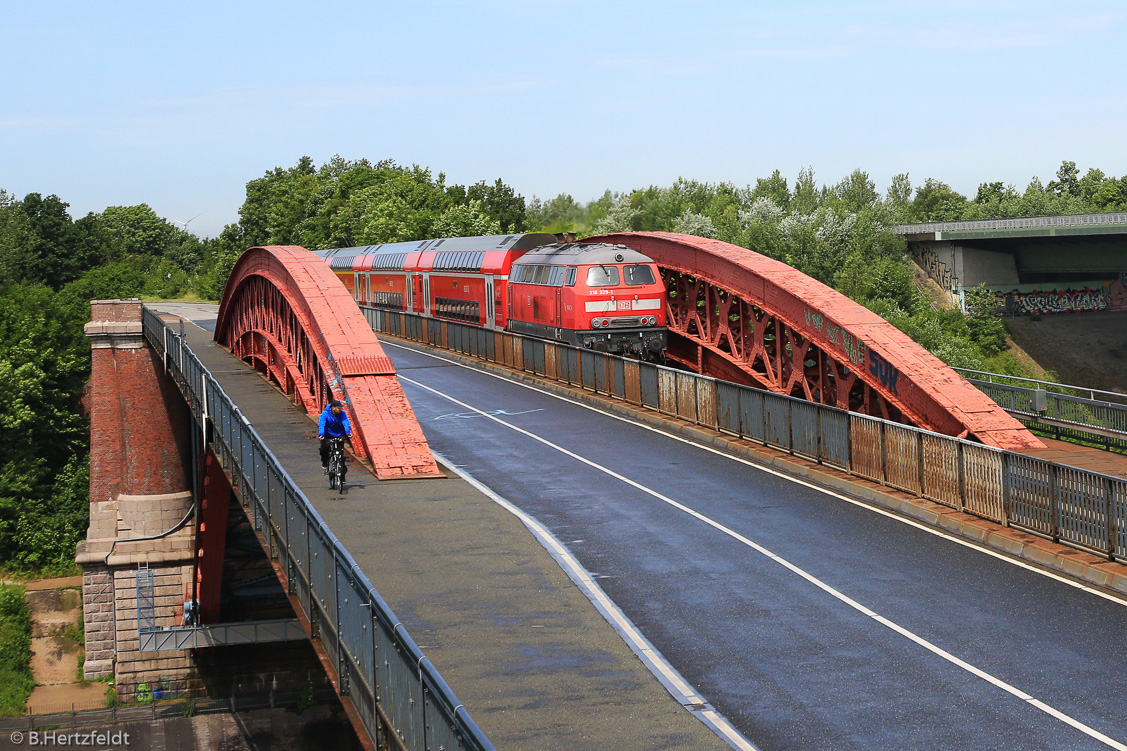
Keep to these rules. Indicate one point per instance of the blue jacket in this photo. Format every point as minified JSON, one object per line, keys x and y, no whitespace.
{"x":332,"y":426}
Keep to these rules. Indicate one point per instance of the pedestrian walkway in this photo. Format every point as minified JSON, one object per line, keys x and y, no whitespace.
{"x":530,"y":657}
{"x":1085,"y":457}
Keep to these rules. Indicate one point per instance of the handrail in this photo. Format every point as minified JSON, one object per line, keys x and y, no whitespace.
{"x":1077,"y":507}
{"x":1043,"y":406}
{"x":339,"y":601}
{"x":1049,"y":385}
{"x":1061,"y":220}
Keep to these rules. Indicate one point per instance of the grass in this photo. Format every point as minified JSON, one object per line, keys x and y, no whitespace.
{"x":16,"y":682}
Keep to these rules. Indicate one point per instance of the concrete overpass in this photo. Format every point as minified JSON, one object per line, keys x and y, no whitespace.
{"x":1043,"y":265}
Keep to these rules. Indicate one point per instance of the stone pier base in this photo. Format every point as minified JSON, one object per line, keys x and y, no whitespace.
{"x":110,"y":558}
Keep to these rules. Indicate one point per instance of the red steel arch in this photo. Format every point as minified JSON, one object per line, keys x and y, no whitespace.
{"x":738,"y":315}
{"x":284,"y":311}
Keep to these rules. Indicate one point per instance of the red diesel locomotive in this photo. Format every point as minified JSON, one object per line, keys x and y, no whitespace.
{"x":594,"y":295}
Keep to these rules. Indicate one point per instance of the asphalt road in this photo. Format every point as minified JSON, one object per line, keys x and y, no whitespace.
{"x":810,"y":622}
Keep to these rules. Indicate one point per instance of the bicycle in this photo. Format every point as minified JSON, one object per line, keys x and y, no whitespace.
{"x":337,"y":466}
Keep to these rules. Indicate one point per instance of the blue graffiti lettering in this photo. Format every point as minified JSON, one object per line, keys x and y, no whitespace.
{"x":883,"y":370}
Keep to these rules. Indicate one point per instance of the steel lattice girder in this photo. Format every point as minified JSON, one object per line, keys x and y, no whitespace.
{"x":742,"y":313}
{"x":284,"y":310}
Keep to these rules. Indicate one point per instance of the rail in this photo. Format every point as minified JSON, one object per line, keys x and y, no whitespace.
{"x":1084,"y":509}
{"x":1064,"y":220}
{"x":104,"y":711}
{"x":1099,"y":416}
{"x":378,"y":665}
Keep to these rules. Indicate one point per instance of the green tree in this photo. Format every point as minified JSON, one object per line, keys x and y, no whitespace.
{"x":16,"y":239}
{"x":134,"y":231}
{"x":277,"y":204}
{"x":691,"y":223}
{"x":560,"y":214}
{"x":466,"y":220}
{"x":501,"y":203}
{"x":773,"y":187}
{"x":44,"y":361}
{"x":58,"y":251}
{"x":898,"y":198}
{"x":806,"y":197}
{"x":986,"y":328}
{"x":857,"y":191}
{"x":935,"y":201}
{"x":1067,"y":182}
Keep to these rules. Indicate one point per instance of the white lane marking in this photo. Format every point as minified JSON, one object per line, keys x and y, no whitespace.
{"x":673,"y":681}
{"x":936,"y":531}
{"x":999,"y":683}
{"x":470,"y":415}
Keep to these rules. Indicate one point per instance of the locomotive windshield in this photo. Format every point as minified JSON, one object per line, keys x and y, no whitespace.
{"x":602,"y":276}
{"x":638,"y":275}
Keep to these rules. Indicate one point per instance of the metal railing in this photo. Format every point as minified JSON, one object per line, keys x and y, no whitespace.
{"x":1072,"y":412}
{"x":1074,"y":506}
{"x":1062,"y":220}
{"x":96,"y":712}
{"x":379,"y":666}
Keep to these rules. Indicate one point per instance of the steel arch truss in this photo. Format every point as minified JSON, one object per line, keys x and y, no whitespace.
{"x":738,"y":315}
{"x":777,"y":356}
{"x":287,"y":314}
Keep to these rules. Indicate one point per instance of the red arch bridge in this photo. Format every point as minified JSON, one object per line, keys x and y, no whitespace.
{"x":734,"y":314}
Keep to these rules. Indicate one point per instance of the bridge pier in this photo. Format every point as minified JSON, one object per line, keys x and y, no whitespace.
{"x":141,"y":504}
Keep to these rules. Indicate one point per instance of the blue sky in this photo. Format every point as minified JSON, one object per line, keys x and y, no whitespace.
{"x":179,"y":105}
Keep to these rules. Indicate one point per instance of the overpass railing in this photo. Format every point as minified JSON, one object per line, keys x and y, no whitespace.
{"x":1077,"y":507}
{"x":1031,"y":222}
{"x":1072,"y":412}
{"x":379,"y":666}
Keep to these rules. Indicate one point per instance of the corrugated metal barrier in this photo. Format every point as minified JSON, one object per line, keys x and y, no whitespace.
{"x":380,"y":667}
{"x":1080,"y":508}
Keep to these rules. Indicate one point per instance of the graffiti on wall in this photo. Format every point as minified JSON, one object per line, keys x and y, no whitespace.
{"x":935,"y":268}
{"x":1045,"y":301}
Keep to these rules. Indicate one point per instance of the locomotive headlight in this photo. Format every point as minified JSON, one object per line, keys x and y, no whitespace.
{"x":596,"y":323}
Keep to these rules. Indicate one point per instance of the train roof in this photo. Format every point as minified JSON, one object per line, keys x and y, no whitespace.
{"x":575,"y":253}
{"x":444,"y":245}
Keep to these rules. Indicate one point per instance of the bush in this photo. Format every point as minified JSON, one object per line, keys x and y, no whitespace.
{"x":16,"y":682}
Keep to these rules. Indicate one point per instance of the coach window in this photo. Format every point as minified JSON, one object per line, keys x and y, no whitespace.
{"x":638,"y":275}
{"x":542,"y":273}
{"x":570,"y":276}
{"x":602,"y":276}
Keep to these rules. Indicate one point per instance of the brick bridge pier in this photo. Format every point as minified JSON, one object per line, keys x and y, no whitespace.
{"x":140,"y":503}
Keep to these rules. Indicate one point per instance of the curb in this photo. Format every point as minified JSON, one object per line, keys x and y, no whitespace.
{"x":1071,"y":563}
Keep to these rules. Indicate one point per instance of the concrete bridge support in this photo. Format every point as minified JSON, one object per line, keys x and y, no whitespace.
{"x":141,"y":505}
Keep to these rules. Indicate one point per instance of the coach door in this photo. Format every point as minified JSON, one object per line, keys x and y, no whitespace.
{"x":490,"y":306}
{"x":426,"y":294}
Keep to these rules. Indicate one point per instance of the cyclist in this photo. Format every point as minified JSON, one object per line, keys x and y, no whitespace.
{"x":333,"y":424}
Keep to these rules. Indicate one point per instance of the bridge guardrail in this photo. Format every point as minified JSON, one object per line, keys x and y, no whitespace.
{"x":1063,"y":220}
{"x":1100,"y":416}
{"x":1084,"y":509}
{"x":378,"y":664}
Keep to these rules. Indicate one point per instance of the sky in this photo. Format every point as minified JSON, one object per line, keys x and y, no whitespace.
{"x":179,"y":105}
